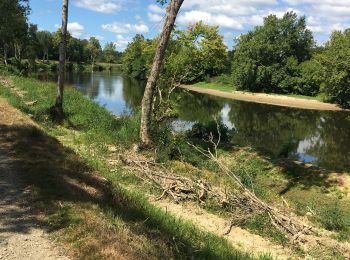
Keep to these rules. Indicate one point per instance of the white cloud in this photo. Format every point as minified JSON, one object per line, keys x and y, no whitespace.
{"x":121,"y":42}
{"x":156,"y":18}
{"x":120,"y":28}
{"x":102,"y":6}
{"x":156,"y":9}
{"x":220,"y":20}
{"x":76,"y":29}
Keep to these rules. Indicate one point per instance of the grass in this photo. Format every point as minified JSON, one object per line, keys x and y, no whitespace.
{"x":96,"y":218}
{"x":90,"y":136}
{"x":306,"y":189}
{"x":215,"y":86}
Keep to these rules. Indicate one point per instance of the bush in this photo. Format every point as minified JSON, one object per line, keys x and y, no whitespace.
{"x":53,"y":67}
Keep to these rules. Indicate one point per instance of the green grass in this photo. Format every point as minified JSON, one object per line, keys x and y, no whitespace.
{"x":215,"y":86}
{"x":91,"y":223}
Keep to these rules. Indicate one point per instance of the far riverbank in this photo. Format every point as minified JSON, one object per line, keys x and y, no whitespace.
{"x":271,"y":99}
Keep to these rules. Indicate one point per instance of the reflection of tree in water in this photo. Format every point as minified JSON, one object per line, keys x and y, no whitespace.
{"x":272,"y":129}
{"x":93,"y":86}
{"x":109,"y":84}
{"x":87,"y":83}
{"x":333,"y":146}
{"x":198,"y":107}
{"x":133,"y":93}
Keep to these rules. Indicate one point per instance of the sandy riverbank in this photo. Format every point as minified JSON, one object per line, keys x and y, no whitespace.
{"x":277,"y":100}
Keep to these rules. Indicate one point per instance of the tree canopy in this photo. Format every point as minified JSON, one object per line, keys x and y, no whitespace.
{"x":336,"y":62}
{"x":266,"y":58}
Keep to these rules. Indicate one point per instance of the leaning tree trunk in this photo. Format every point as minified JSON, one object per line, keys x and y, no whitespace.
{"x":58,"y":108}
{"x":147,"y":101}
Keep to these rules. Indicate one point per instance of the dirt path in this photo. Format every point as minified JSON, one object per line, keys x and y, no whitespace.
{"x":268,"y":99}
{"x":238,"y":237}
{"x":21,"y":236}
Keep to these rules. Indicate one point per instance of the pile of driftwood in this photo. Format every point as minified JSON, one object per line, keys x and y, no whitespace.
{"x":238,"y":200}
{"x":181,"y":188}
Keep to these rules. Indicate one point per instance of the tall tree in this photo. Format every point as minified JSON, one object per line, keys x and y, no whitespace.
{"x":13,"y":22}
{"x":267,"y":58}
{"x":109,"y":52}
{"x":58,"y":107}
{"x":336,"y":63}
{"x":147,"y":101}
{"x":45,"y":41}
{"x":94,"y":48}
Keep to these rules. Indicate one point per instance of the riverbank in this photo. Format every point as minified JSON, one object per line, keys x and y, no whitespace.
{"x":271,"y":99}
{"x":85,"y":202}
{"x":97,"y":203}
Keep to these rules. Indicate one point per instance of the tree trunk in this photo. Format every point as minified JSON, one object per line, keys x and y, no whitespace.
{"x":147,"y":101}
{"x":15,"y":45}
{"x":5,"y":54}
{"x":58,"y":108}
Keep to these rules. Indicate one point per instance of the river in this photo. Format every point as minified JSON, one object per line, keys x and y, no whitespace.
{"x":318,"y":137}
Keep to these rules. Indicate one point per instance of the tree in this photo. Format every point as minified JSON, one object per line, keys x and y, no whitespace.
{"x":13,"y":23}
{"x":147,"y":101}
{"x":201,"y":53}
{"x":94,"y":49}
{"x":109,"y":52}
{"x":267,"y":57}
{"x":45,"y":42}
{"x":32,"y":43}
{"x":336,"y":62}
{"x":134,"y":63}
{"x":57,"y":110}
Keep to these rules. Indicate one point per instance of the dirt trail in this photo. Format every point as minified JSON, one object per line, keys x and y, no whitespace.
{"x":277,"y":100}
{"x":21,"y":236}
{"x":239,"y":237}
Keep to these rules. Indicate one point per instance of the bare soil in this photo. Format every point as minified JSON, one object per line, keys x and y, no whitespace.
{"x":238,"y":237}
{"x":277,"y":100}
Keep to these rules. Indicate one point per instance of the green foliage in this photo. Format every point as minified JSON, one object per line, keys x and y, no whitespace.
{"x":94,"y":48}
{"x":110,"y":54}
{"x":267,"y":59}
{"x":192,"y":55}
{"x":201,"y":53}
{"x":336,"y":62}
{"x":13,"y":22}
{"x":134,"y":62}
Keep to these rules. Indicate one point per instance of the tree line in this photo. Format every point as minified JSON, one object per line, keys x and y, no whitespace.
{"x":21,"y":40}
{"x":280,"y":56}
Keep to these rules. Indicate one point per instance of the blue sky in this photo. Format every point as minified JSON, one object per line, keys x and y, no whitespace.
{"x":119,"y":20}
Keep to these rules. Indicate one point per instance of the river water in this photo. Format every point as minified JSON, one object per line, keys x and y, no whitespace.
{"x":318,"y":137}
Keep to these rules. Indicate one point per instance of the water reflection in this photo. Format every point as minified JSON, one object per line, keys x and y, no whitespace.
{"x":319,"y":137}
